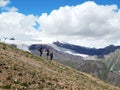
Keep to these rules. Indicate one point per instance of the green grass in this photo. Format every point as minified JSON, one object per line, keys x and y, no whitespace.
{"x":25,"y":84}
{"x":7,"y":86}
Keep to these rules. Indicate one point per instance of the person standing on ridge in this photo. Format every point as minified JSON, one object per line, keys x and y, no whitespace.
{"x":40,"y":50}
{"x":47,"y":52}
{"x":51,"y":55}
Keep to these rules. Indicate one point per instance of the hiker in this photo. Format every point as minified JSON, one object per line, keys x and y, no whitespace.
{"x":51,"y":55}
{"x":47,"y":52}
{"x":40,"y":50}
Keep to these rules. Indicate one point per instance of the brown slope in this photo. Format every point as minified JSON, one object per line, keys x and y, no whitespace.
{"x":22,"y":70}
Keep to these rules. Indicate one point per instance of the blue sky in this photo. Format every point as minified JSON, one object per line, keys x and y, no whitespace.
{"x":37,"y":7}
{"x":82,"y":22}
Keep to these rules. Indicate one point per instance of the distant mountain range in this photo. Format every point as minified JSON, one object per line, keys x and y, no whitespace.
{"x":86,"y":50}
{"x":63,"y":47}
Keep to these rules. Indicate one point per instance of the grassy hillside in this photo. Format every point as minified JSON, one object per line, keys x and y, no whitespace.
{"x":24,"y":71}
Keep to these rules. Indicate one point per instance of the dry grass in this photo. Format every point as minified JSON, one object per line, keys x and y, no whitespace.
{"x":23,"y":71}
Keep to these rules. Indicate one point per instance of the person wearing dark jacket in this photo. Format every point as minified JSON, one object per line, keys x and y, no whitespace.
{"x":51,"y":55}
{"x":47,"y":52}
{"x":40,"y":50}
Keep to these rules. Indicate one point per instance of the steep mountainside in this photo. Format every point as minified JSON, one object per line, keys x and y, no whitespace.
{"x":98,"y":69}
{"x":113,"y":61}
{"x":95,"y":68}
{"x":106,"y":68}
{"x":22,"y":70}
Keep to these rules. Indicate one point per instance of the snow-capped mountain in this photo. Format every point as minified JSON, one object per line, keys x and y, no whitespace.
{"x":86,"y":50}
{"x":69,"y":51}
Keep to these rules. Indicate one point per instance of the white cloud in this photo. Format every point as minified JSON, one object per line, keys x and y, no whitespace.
{"x":10,"y":9}
{"x":85,"y":22}
{"x":4,"y":3}
{"x":18,"y":25}
{"x":4,"y":6}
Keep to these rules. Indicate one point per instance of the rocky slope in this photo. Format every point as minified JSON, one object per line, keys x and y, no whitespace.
{"x":106,"y":68}
{"x":22,"y":70}
{"x":112,"y":61}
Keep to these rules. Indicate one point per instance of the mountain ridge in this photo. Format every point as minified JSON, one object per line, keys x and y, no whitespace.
{"x":87,"y":50}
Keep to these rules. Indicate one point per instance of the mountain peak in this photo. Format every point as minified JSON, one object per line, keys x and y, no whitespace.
{"x":12,"y":38}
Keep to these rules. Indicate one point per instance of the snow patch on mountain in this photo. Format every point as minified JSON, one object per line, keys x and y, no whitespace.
{"x":68,"y":51}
